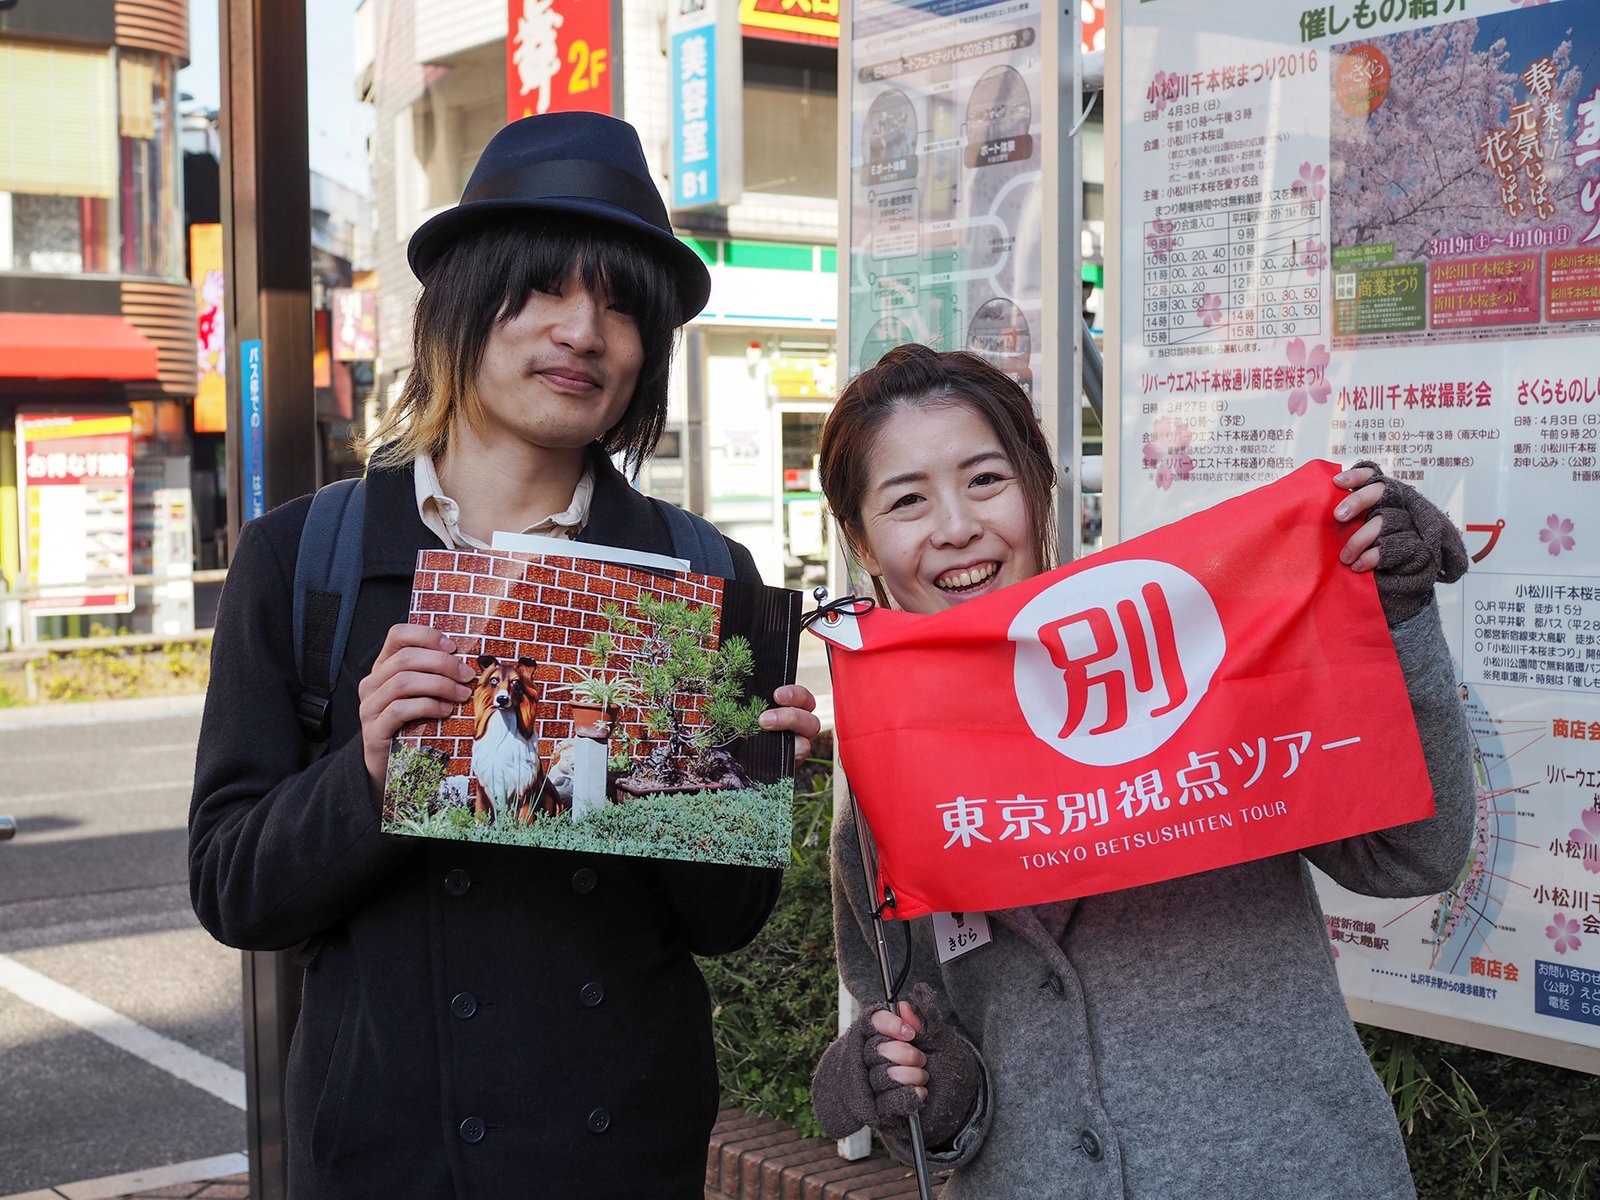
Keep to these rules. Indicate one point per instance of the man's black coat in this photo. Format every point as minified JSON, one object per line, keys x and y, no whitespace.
{"x":478,"y":1021}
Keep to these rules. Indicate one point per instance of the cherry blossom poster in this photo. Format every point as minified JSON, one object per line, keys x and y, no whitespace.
{"x":1371,"y":229}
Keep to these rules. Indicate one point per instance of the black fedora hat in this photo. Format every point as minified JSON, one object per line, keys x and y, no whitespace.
{"x":578,"y":163}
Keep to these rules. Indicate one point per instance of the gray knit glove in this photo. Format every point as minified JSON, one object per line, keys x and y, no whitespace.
{"x":1417,"y":548}
{"x":852,"y":1088}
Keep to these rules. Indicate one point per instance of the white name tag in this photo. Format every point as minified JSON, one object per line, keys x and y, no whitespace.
{"x":955,"y":934}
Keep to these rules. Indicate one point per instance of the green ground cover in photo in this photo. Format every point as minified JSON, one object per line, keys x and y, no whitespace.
{"x":747,"y":827}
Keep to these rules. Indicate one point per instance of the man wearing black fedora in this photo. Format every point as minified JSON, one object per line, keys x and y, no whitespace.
{"x":478,"y":1021}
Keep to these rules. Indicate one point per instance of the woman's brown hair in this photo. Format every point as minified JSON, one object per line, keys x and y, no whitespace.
{"x":913,"y":376}
{"x":483,"y":280}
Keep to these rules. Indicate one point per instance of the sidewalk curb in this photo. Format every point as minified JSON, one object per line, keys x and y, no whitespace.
{"x":99,"y":712}
{"x":749,"y":1158}
{"x":195,"y":1178}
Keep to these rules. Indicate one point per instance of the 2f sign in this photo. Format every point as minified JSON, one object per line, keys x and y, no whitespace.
{"x":558,"y":57}
{"x":1111,"y":661}
{"x":588,"y":63}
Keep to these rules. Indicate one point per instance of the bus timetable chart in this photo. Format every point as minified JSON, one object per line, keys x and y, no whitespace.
{"x":1234,"y":275}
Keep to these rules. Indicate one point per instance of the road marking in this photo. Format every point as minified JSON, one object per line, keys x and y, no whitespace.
{"x":160,"y":1051}
{"x":121,"y":789}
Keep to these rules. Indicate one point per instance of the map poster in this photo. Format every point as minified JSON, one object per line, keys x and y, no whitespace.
{"x":1372,"y":230}
{"x":947,"y":236}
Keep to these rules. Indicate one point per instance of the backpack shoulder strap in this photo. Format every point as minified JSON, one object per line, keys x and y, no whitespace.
{"x":696,"y":539}
{"x":327,"y":578}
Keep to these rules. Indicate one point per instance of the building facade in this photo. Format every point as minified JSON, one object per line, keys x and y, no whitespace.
{"x":758,"y":369}
{"x":97,"y":316}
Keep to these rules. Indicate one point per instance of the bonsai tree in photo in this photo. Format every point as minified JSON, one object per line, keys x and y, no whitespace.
{"x":676,"y":660}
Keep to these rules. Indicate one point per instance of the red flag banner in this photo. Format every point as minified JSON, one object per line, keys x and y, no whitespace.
{"x":1219,"y":690}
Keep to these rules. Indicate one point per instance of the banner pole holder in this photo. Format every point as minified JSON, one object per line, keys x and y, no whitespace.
{"x":869,"y":874}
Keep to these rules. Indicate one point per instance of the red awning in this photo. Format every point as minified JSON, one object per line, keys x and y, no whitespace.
{"x":59,"y":346}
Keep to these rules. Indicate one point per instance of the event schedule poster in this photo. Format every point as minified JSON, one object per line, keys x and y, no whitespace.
{"x":1372,"y":230}
{"x":947,"y":237}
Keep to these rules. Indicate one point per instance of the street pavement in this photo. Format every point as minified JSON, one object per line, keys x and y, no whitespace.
{"x":121,"y":1043}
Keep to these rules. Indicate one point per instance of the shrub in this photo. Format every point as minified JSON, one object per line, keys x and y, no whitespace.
{"x":120,"y":672}
{"x":1482,"y":1126}
{"x":775,"y":1002}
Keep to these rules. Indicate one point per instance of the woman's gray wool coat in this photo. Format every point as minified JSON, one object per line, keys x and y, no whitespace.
{"x":1187,"y":1039}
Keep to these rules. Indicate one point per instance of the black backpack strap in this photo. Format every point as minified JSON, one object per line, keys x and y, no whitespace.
{"x":696,"y":539}
{"x":327,"y":578}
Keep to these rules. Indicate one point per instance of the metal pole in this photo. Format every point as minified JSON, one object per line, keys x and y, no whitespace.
{"x":869,"y":873}
{"x":695,"y":465}
{"x":266,"y":233}
{"x":266,"y":223}
{"x":1094,"y":375}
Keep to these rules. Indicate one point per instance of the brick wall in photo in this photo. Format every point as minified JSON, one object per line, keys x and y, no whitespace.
{"x":511,"y":606}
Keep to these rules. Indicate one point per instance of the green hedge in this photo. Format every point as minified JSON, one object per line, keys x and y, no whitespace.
{"x":1481,"y":1126}
{"x":1478,"y":1126}
{"x":115,"y":672}
{"x":775,"y":1003}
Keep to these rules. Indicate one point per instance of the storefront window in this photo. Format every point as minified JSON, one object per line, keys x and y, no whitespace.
{"x":807,"y":536}
{"x":790,"y":119}
{"x":67,"y":235}
{"x":151,"y":195}
{"x":58,"y":169}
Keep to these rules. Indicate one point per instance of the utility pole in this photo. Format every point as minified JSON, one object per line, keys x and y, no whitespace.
{"x":266,"y":230}
{"x":272,"y":428}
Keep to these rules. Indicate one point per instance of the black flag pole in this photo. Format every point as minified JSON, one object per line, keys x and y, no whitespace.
{"x":826,"y":611}
{"x":869,"y":873}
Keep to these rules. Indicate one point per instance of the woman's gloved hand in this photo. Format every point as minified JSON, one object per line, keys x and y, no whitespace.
{"x":1407,"y":541}
{"x":890,"y":1064}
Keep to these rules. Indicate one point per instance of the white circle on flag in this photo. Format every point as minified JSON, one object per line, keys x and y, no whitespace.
{"x":1112,"y":660}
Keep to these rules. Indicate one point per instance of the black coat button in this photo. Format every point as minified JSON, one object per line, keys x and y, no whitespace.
{"x":599,"y":1121}
{"x":1056,"y":984}
{"x":591,"y":994}
{"x":457,"y":883}
{"x":583,"y":880}
{"x":463,"y":1005}
{"x":1090,"y":1141}
{"x":472,"y":1129}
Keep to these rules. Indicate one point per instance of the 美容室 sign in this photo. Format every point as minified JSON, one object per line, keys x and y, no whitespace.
{"x":707,"y":80}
